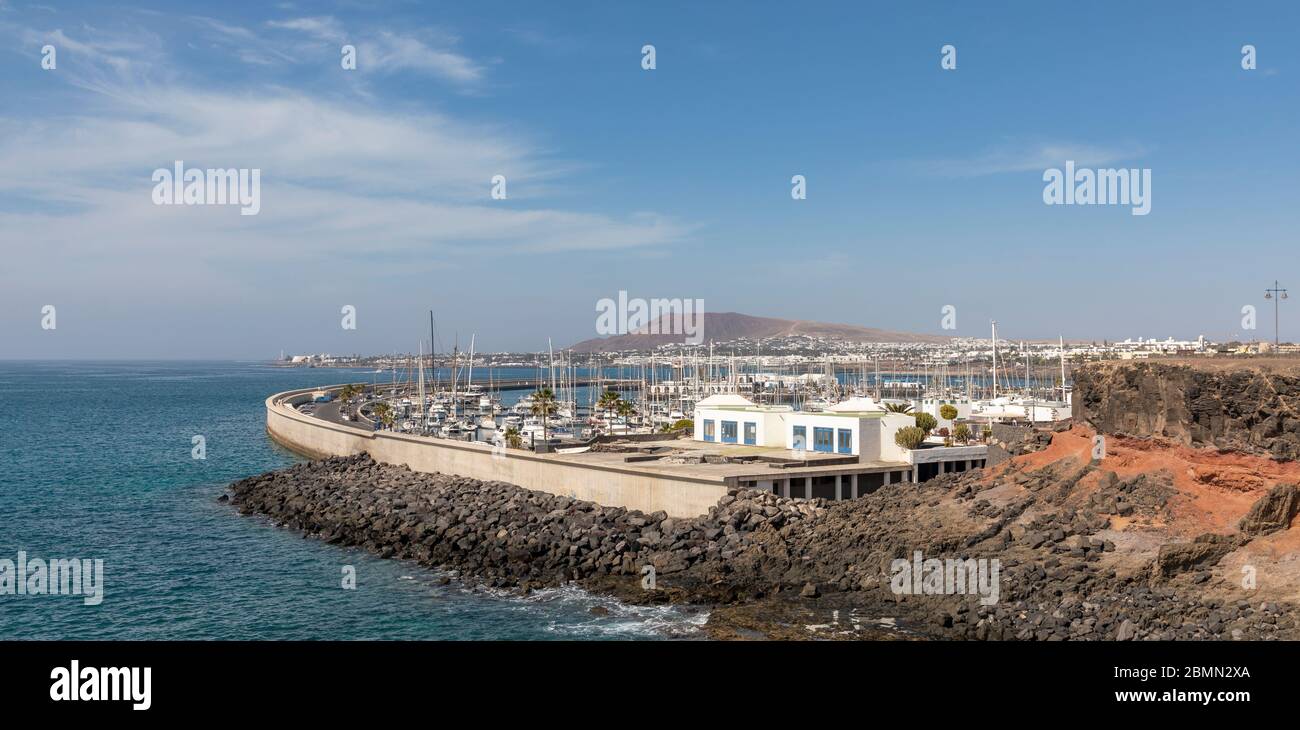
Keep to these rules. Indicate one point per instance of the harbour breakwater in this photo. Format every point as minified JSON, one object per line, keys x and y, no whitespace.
{"x":777,"y":567}
{"x":501,"y":534}
{"x":677,"y":495}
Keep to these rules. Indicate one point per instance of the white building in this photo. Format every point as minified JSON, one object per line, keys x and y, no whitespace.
{"x":735,"y":419}
{"x":859,"y":431}
{"x":933,"y":406}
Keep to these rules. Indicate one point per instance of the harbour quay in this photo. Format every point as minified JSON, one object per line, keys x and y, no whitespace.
{"x":682,"y":477}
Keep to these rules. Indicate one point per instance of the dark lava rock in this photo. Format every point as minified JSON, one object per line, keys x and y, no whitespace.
{"x":756,"y":554}
{"x":1272,"y":512}
{"x":1205,"y":550}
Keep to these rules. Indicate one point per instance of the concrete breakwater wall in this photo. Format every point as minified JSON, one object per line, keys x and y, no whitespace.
{"x":679,"y":496}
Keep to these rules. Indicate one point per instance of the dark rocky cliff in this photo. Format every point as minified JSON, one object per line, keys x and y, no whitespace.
{"x":1235,"y":405}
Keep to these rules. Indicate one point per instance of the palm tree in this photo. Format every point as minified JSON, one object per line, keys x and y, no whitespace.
{"x":384,"y":413}
{"x":544,"y":405}
{"x":347,"y":393}
{"x":513,"y":438}
{"x":608,"y":401}
{"x":624,"y":409}
{"x":898,"y":407}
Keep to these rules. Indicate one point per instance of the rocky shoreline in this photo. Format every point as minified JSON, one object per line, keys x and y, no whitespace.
{"x":780,"y":568}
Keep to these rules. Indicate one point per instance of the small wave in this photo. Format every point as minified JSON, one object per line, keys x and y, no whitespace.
{"x":616,"y":620}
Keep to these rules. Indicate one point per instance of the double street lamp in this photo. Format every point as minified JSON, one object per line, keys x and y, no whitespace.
{"x":1281,"y":294}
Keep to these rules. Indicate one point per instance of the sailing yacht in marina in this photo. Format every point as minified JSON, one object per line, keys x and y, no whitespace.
{"x":1022,"y":406}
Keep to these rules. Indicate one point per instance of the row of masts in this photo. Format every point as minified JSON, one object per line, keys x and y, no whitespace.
{"x":664,"y":388}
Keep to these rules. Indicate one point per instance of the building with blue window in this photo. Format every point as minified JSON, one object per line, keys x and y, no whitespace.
{"x":734,"y":419}
{"x":857,"y":434}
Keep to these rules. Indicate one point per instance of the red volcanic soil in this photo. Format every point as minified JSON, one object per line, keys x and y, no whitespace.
{"x":1215,"y":489}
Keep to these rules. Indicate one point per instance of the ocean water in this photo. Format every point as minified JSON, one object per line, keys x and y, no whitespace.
{"x":95,"y":463}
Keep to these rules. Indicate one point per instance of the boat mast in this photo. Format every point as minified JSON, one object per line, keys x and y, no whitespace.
{"x":419,"y":405}
{"x":433,"y":361}
{"x":455,"y":373}
{"x":1063,"y":400}
{"x":995,"y":358}
{"x":1026,"y":388}
{"x":470,"y":380}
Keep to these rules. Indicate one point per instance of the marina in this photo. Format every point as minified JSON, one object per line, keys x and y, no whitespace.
{"x":669,"y":425}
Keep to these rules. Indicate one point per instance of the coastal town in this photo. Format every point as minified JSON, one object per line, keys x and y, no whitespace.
{"x":1050,"y":451}
{"x":358,"y":353}
{"x":1110,"y":524}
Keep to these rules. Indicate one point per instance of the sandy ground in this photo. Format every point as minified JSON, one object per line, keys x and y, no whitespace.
{"x":1284,"y":365}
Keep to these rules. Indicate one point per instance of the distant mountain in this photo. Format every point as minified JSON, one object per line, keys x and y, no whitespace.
{"x":725,"y":326}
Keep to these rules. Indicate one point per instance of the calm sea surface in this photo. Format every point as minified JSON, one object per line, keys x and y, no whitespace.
{"x":95,"y":463}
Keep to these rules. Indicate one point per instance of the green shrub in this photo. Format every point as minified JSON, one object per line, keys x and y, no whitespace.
{"x":926,"y":422}
{"x":961,"y":432}
{"x":947,"y":411}
{"x":909,"y":437}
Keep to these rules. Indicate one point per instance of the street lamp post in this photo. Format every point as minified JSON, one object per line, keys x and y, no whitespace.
{"x":1281,"y":294}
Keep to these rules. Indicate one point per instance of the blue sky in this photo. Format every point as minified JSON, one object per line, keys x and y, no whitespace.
{"x":924,"y":185}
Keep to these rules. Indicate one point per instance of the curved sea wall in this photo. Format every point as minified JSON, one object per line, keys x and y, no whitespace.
{"x":678,"y":496}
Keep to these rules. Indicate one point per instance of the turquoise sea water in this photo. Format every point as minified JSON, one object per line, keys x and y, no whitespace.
{"x":95,"y":463}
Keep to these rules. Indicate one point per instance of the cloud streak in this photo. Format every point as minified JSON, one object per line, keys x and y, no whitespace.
{"x":1028,"y":157}
{"x":385,"y":52}
{"x":346,"y":186}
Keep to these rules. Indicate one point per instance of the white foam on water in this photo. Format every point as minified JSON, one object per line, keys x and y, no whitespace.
{"x":623,"y":620}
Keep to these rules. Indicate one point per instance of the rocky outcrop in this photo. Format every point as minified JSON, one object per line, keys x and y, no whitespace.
{"x":1008,"y":441}
{"x":1204,"y":551}
{"x":767,"y":561}
{"x":1241,"y":407}
{"x":1274,"y":511}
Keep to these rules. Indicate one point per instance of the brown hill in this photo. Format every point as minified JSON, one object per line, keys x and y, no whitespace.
{"x":725,"y":326}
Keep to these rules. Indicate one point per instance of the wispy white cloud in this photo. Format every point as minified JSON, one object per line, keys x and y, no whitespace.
{"x":248,"y":46}
{"x":119,"y":52}
{"x":337,"y":179}
{"x":366,"y":196}
{"x":1027,"y":157}
{"x":392,"y":52}
{"x":323,"y":28}
{"x":385,"y":51}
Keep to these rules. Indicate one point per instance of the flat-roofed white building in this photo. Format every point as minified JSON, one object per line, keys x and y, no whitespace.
{"x":734,"y":419}
{"x":933,"y":406}
{"x":865,"y":434}
{"x":854,"y":438}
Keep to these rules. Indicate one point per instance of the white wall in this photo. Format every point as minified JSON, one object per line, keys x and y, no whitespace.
{"x":932,"y":407}
{"x":814,"y":420}
{"x":873,"y":436}
{"x":767,"y":425}
{"x":889,"y":425}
